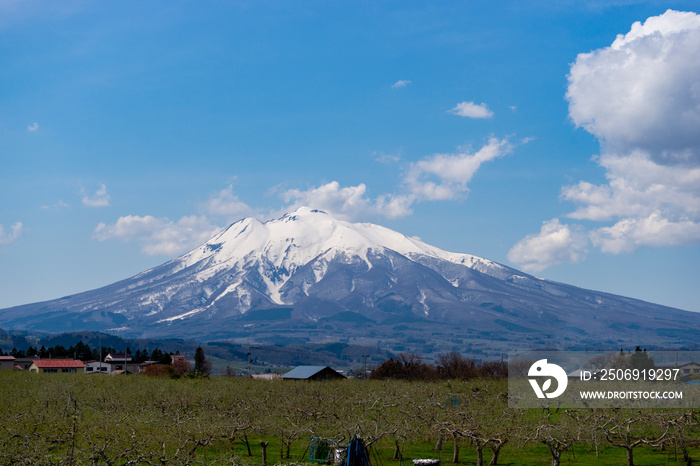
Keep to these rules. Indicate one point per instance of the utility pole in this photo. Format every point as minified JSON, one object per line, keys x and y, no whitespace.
{"x":364,"y":374}
{"x":250,"y":357}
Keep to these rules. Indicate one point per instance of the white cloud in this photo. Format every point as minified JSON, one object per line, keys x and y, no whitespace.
{"x":643,"y":92}
{"x":438,"y":177}
{"x":653,"y":230}
{"x":349,"y":203}
{"x":226,"y":204}
{"x":435,"y":178}
{"x":60,"y":205}
{"x":472,"y":110}
{"x":556,"y":243}
{"x":385,"y":158}
{"x":640,"y":97}
{"x":445,"y":176}
{"x":401,"y":83}
{"x":16,"y":231}
{"x":99,"y":199}
{"x":159,"y":235}
{"x":168,"y":237}
{"x":33,"y":127}
{"x":637,"y":186}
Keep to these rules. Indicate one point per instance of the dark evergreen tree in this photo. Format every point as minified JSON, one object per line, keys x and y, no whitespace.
{"x":201,"y":365}
{"x":641,"y":360}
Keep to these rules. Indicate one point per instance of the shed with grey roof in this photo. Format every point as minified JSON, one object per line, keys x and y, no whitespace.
{"x":312,"y":373}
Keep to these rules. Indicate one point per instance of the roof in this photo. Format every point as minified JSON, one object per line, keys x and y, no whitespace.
{"x":51,"y":363}
{"x":307,"y":372}
{"x":7,"y":358}
{"x":672,"y":365}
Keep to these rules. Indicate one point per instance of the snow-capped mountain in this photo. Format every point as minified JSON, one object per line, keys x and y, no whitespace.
{"x":310,"y":277}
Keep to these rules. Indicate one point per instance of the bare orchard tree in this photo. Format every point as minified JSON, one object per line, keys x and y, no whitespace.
{"x":448,"y":421}
{"x":683,"y":427}
{"x":627,"y":428}
{"x":475,"y":411}
{"x":558,"y":431}
{"x":493,"y":424}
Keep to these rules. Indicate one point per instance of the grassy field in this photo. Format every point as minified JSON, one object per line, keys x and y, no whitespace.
{"x":77,"y":419}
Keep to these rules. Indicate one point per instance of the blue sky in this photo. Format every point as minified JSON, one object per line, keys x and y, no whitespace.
{"x":550,"y":136}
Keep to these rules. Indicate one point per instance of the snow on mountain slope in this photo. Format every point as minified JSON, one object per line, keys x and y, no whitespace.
{"x":293,"y":241}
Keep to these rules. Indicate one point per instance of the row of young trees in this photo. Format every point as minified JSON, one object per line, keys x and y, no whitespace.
{"x":450,"y":366}
{"x":141,"y":420}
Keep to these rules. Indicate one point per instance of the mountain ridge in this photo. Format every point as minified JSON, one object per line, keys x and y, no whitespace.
{"x":308,"y":277}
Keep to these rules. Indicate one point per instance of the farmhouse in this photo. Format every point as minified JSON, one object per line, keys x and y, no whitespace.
{"x":690,"y":369}
{"x":118,"y":362}
{"x":7,"y":362}
{"x":22,"y":364}
{"x":312,"y":373}
{"x":52,"y":366}
{"x":174,"y":358}
{"x":97,"y":367}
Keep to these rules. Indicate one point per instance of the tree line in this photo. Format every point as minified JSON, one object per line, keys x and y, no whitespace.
{"x":450,"y":366}
{"x":84,"y":353}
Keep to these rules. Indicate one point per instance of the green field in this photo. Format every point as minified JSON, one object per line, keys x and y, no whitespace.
{"x":75,"y":419}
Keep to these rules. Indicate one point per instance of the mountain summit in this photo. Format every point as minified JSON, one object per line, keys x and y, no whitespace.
{"x":309,"y":277}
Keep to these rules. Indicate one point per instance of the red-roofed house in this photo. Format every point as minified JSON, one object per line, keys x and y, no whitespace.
{"x":52,"y":366}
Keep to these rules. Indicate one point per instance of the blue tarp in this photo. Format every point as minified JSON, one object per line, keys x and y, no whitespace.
{"x":357,"y":453}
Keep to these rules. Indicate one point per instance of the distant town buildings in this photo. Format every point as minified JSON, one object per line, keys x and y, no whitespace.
{"x":114,"y":363}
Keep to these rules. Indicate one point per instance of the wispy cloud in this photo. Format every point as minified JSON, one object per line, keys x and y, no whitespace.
{"x":472,"y":110}
{"x":401,"y":83}
{"x":435,"y":178}
{"x":226,"y":204}
{"x":57,"y":206}
{"x":446,"y":176}
{"x":163,"y":236}
{"x":385,"y":158}
{"x":647,"y":124}
{"x":439,"y":177}
{"x":99,"y":199}
{"x":33,"y":127}
{"x":159,"y":235}
{"x":15,"y":232}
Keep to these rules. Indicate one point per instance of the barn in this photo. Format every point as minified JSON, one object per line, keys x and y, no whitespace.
{"x":312,"y":373}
